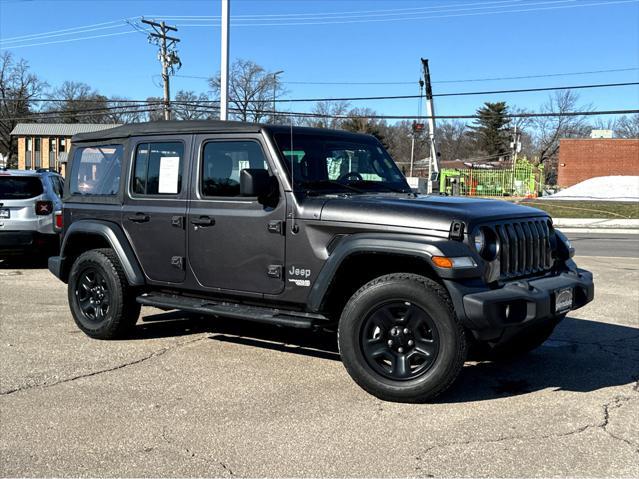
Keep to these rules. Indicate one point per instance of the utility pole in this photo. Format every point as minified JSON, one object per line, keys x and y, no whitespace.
{"x":279,"y":72}
{"x":224,"y":67}
{"x":515,"y":145}
{"x":167,"y":55}
{"x":433,"y":164}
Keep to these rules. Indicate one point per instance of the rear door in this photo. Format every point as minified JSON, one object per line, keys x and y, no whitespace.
{"x":153,"y":215}
{"x":235,"y":243}
{"x":18,"y":197}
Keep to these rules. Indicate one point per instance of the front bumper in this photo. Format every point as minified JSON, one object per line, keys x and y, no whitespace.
{"x":520,"y":302}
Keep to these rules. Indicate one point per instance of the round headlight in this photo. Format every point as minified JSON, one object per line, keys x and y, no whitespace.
{"x":480,"y":240}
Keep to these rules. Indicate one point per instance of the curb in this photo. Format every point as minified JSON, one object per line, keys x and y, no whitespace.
{"x":605,"y":231}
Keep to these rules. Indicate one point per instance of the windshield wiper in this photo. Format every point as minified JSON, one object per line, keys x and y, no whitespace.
{"x":310,"y":184}
{"x":383,"y":186}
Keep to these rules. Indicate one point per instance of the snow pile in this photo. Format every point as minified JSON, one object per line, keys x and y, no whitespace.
{"x":605,"y":188}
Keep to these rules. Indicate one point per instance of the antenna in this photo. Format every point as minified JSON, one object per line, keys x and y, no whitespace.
{"x":294,"y":227}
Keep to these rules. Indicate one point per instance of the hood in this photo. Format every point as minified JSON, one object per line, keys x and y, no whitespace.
{"x":426,"y":212}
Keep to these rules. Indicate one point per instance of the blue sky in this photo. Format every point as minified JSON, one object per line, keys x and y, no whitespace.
{"x":344,"y":41}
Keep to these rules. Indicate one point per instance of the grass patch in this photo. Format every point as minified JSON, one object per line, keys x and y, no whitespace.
{"x":586,"y":209}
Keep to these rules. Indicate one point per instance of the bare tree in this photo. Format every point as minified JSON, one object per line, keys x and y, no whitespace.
{"x":627,"y":126}
{"x":125,"y":111}
{"x":188,"y":105}
{"x":454,"y":140}
{"x":549,"y":130}
{"x":78,"y":103}
{"x":18,"y":89}
{"x":155,"y":105}
{"x":251,"y":91}
{"x":329,"y":114}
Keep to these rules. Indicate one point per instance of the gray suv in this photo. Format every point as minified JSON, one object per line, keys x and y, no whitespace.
{"x":28,"y":202}
{"x":307,"y":228}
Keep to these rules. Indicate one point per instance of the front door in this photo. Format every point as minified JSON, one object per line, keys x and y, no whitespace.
{"x":235,"y":243}
{"x":154,"y":211}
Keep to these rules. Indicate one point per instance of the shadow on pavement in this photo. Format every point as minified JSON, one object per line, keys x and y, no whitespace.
{"x":23,"y":262}
{"x":580,"y":356}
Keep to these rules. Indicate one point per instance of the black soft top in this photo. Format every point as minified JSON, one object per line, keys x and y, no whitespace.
{"x":200,"y":126}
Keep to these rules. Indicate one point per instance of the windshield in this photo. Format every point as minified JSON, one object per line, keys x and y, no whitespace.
{"x":20,"y":187}
{"x":336,"y":164}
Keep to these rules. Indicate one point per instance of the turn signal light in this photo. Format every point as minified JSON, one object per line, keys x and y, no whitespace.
{"x":457,"y":262}
{"x":442,"y":262}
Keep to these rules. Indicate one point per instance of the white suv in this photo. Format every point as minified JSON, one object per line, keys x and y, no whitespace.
{"x":28,"y":202}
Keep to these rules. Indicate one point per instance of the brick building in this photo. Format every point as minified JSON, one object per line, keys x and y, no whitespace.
{"x":584,"y":158}
{"x":46,"y":145}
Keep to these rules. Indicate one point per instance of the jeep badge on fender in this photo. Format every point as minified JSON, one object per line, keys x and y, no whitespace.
{"x":307,"y":228}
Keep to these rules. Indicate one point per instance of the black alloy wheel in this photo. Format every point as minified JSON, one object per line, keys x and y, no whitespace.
{"x":93,"y":295}
{"x":399,"y":340}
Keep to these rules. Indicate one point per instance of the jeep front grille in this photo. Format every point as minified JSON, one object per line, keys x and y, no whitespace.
{"x":524,"y":247}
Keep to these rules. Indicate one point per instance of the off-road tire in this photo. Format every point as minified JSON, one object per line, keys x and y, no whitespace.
{"x":433,"y":299}
{"x":122,"y":311}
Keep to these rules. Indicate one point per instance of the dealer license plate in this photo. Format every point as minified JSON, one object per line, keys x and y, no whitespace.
{"x":563,"y":300}
{"x":5,"y":213}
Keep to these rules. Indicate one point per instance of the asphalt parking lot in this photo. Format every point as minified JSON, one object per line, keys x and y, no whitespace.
{"x":189,"y":396}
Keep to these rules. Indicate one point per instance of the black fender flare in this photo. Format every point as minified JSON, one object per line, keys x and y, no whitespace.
{"x":116,"y":238}
{"x":419,"y":246}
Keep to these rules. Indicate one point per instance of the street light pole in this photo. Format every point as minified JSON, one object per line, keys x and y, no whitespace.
{"x":224,"y":67}
{"x":279,"y":72}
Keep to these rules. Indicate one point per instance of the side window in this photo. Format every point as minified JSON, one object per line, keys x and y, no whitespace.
{"x":96,"y":170}
{"x":57,"y":185}
{"x":222,"y":162}
{"x":158,"y":168}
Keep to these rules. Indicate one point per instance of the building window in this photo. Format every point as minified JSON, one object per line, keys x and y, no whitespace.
{"x":63,"y":145}
{"x":28,"y":153}
{"x":38,"y":153}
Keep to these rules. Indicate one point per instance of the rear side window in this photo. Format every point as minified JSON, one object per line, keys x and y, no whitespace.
{"x":57,"y":185}
{"x":96,"y":170}
{"x":158,"y":169}
{"x":20,"y":187}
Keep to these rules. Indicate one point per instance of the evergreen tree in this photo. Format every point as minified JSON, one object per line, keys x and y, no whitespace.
{"x":491,"y":130}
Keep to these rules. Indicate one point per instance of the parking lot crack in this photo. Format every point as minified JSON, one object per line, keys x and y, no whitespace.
{"x":183,"y":449}
{"x":154,"y":354}
{"x":608,"y":408}
{"x":500,"y":439}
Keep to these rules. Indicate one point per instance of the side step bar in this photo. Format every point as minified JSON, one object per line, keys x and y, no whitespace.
{"x":279,"y":317}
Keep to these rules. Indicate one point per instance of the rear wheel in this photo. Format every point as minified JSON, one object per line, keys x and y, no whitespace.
{"x":102,"y":303}
{"x":399,"y":338}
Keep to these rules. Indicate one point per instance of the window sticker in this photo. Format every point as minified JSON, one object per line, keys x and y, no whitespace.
{"x":169,"y":174}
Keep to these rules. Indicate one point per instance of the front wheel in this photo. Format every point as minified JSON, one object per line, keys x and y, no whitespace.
{"x":400,"y":340}
{"x":102,"y":303}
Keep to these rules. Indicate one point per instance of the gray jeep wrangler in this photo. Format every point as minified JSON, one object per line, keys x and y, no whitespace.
{"x":307,"y":228}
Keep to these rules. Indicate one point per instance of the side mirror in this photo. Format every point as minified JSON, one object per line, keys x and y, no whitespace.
{"x":254,"y":182}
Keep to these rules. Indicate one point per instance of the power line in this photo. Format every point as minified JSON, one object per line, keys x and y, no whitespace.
{"x":465,"y":80}
{"x":417,"y":17}
{"x":387,"y":97}
{"x":358,"y":12}
{"x":68,"y":40}
{"x":358,"y":19}
{"x":493,"y":92}
{"x":81,"y":113}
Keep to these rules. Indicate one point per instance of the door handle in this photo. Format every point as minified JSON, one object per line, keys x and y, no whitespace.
{"x":139,"y":218}
{"x":203,"y":221}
